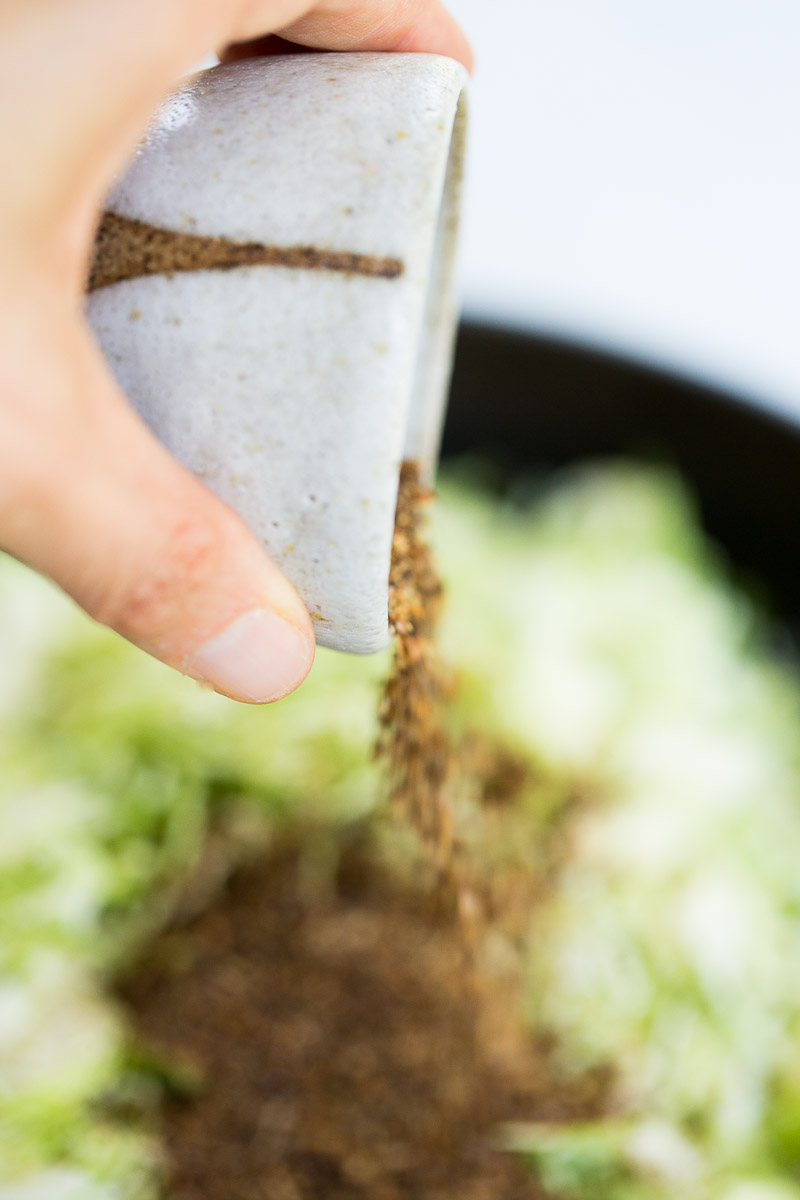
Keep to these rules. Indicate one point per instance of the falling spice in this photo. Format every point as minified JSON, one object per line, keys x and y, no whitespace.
{"x":448,"y":791}
{"x":412,"y":742}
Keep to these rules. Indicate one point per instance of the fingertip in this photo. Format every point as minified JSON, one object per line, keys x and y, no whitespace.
{"x":257,"y":658}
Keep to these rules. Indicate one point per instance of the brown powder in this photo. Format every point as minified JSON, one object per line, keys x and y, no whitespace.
{"x":347,"y":1038}
{"x":325,"y":1042}
{"x":444,"y":790}
{"x":413,"y":743}
{"x":462,"y":794}
{"x":127,"y":249}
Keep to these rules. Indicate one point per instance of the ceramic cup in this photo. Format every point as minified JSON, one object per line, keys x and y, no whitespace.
{"x":272,"y":288}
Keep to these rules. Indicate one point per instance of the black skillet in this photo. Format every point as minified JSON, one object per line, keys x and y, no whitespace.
{"x":531,"y":402}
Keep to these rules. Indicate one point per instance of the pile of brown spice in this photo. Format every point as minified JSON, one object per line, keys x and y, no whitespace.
{"x":336,"y":1046}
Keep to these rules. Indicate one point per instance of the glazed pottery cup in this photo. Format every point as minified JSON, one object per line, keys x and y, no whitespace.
{"x":272,"y":288}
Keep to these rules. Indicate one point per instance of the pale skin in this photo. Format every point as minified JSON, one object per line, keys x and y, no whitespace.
{"x":88,"y":496}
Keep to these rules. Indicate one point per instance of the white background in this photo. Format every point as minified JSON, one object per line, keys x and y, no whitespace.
{"x":634,"y":181}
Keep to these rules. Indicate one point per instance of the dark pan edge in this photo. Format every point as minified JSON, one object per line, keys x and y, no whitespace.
{"x":530,"y":401}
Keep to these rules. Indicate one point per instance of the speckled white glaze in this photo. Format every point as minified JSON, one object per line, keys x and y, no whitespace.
{"x":295,"y":394}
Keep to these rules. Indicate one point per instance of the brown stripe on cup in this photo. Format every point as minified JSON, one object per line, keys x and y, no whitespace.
{"x":128,"y":249}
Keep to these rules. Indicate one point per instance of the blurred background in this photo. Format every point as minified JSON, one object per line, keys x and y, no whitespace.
{"x":630,"y":254}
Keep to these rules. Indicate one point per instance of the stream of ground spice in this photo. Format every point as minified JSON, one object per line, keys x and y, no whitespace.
{"x":428,"y":774}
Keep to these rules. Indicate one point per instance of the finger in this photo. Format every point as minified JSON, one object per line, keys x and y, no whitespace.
{"x":97,"y":504}
{"x":400,"y":25}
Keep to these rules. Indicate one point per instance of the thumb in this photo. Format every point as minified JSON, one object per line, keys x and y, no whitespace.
{"x":89,"y":497}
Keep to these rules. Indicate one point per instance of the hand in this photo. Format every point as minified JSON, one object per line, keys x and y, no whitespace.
{"x":87,"y":495}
